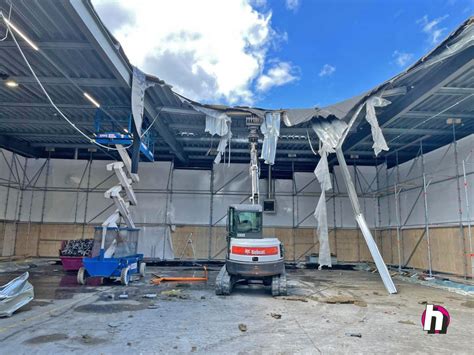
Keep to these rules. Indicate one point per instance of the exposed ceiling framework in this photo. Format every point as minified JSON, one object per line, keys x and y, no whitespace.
{"x":77,"y":54}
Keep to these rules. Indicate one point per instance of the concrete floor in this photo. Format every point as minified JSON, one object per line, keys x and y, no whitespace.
{"x":65,"y":317}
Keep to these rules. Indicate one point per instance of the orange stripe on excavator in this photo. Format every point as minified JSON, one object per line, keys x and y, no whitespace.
{"x":254,"y":250}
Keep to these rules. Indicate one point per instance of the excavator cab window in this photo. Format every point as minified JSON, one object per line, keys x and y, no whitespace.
{"x":247,"y":222}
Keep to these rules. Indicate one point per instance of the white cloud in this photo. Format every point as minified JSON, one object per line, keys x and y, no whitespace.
{"x":279,"y":74}
{"x":432,"y":28}
{"x":327,"y":70}
{"x":208,"y":50}
{"x":402,"y":58}
{"x":258,"y":3}
{"x":292,"y":5}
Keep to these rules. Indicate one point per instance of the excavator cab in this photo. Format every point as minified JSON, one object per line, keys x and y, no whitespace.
{"x":244,"y":221}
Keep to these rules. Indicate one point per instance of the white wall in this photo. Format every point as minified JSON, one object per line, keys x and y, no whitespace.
{"x":75,"y":188}
{"x":442,"y":192}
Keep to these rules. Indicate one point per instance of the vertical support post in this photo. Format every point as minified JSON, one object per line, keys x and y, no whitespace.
{"x":295,"y":212}
{"x":378,"y":220}
{"x":398,"y":214}
{"x":468,"y":207}
{"x":458,"y":186}
{"x":358,"y":234}
{"x":389,"y":210}
{"x":135,"y":149}
{"x":8,"y":191}
{"x":31,"y":208}
{"x":334,"y":184}
{"x":87,"y":195}
{"x":211,"y":214}
{"x":169,"y":200}
{"x":427,"y":228}
{"x":425,"y":199}
{"x":168,"y":216}
{"x":381,"y":267}
{"x":43,"y":207}
{"x":18,"y":214}
{"x":6,"y":206}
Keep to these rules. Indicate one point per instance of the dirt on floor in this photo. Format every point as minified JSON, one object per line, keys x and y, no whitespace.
{"x":328,"y":311}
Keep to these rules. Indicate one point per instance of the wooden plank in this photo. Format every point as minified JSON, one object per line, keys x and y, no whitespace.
{"x":347,"y":245}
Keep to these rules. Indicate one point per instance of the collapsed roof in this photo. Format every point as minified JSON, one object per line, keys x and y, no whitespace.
{"x":78,"y":54}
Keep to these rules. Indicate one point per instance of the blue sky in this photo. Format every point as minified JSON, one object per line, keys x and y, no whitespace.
{"x":361,"y":40}
{"x":278,"y":53}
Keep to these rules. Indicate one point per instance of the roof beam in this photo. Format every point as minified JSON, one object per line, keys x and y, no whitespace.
{"x":89,"y":23}
{"x":283,"y":130}
{"x":247,"y":151}
{"x":63,"y":106}
{"x":370,"y":153}
{"x":208,"y":139}
{"x":395,"y":144}
{"x":430,"y":84}
{"x":428,"y":114}
{"x":49,"y":45}
{"x":81,"y":107}
{"x":58,"y":135}
{"x":297,"y":152}
{"x":28,"y":80}
{"x":33,"y":122}
{"x":180,"y":111}
{"x":452,"y":90}
{"x":421,"y":131}
{"x":19,"y":147}
{"x":408,"y":145}
{"x":42,"y":122}
{"x":63,"y":145}
{"x":401,"y":90}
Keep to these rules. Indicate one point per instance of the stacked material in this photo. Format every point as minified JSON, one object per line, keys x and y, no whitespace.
{"x":80,"y":247}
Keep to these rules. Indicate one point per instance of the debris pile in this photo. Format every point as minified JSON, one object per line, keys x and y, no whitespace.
{"x":15,"y":294}
{"x":80,"y":247}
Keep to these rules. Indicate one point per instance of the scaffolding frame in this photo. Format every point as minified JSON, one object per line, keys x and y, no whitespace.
{"x":22,"y":180}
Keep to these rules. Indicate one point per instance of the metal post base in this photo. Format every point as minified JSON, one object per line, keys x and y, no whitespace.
{"x":374,"y":250}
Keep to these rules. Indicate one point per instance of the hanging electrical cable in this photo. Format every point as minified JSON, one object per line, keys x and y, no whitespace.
{"x":152,"y":123}
{"x":91,"y":140}
{"x":310,"y":144}
{"x":9,"y":16}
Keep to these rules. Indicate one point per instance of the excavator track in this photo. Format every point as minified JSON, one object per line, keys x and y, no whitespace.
{"x":223,"y":282}
{"x":279,"y":285}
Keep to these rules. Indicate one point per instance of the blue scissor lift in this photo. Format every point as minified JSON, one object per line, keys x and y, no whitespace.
{"x":118,"y":135}
{"x":125,"y":261}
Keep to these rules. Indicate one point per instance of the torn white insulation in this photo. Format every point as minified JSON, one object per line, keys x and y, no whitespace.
{"x":139,"y":85}
{"x":217,"y":123}
{"x":320,"y":213}
{"x":222,"y":146}
{"x":322,"y":171}
{"x":377,"y":135}
{"x":329,"y":133}
{"x":270,"y":129}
